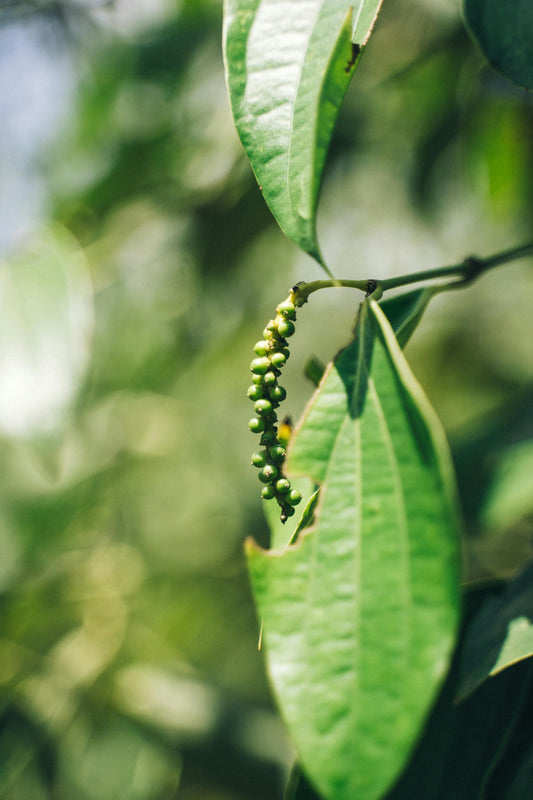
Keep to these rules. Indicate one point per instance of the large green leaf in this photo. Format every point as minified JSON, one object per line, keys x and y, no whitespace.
{"x":360,"y":614}
{"x":288,"y":66}
{"x":501,"y":634}
{"x":461,"y":746}
{"x":504,"y":33}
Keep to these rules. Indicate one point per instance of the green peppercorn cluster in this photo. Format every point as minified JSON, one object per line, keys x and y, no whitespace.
{"x":271,"y":354}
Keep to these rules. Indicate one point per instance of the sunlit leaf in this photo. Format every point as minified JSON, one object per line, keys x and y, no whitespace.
{"x":288,"y":66}
{"x":46,"y":321}
{"x":360,"y":614}
{"x":501,"y":634}
{"x":462,"y":742}
{"x":504,"y":33}
{"x":404,"y":313}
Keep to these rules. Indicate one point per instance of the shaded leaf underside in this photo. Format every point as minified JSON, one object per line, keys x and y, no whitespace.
{"x":504,"y":33}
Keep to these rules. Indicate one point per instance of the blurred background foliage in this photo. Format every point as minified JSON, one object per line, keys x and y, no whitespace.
{"x":139,"y":266}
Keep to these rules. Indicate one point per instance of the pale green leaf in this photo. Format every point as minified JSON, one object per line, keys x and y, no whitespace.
{"x":501,"y":634}
{"x":503,"y":29}
{"x":404,"y":312}
{"x":510,"y":495}
{"x":360,"y":614}
{"x":46,"y":325}
{"x":288,"y":65}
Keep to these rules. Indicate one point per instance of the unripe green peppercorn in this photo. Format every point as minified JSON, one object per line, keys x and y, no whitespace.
{"x":261,"y":348}
{"x":259,"y":459}
{"x":278,"y":359}
{"x":257,"y":379}
{"x":294,"y":497}
{"x":277,"y":393}
{"x":263,"y":407}
{"x":255,"y":392}
{"x":277,"y":453}
{"x":268,"y":438}
{"x":256,"y":425}
{"x":287,"y":512}
{"x":287,"y":309}
{"x":286,"y":328}
{"x":260,"y":365}
{"x":269,"y":473}
{"x":283,"y":486}
{"x":269,"y":378}
{"x":268,"y":492}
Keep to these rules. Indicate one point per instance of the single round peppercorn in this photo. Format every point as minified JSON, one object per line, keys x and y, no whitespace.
{"x":268,"y":438}
{"x":259,"y":459}
{"x":257,"y":379}
{"x":256,"y":425}
{"x":278,"y":359}
{"x":268,"y":492}
{"x":263,"y":407}
{"x":283,"y":486}
{"x":269,"y":473}
{"x":294,"y":497}
{"x":285,"y":352}
{"x":269,"y":378}
{"x":277,"y":393}
{"x":277,"y":453}
{"x":286,"y":328}
{"x":260,"y":365}
{"x":261,"y":348}
{"x":255,"y":392}
{"x":287,"y":309}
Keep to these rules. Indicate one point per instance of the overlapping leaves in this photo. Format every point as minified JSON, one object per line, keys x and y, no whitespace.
{"x":360,"y":614}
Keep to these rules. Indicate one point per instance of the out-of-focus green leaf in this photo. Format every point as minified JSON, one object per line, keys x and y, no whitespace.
{"x":288,"y":66}
{"x":504,"y":33}
{"x":500,"y":635}
{"x":360,"y":615}
{"x":115,"y":761}
{"x":510,"y":495}
{"x":46,"y":321}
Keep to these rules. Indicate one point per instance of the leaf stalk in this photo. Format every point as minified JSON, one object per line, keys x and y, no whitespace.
{"x":465,"y":273}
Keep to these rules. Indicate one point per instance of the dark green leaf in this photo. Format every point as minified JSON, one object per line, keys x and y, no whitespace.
{"x":463,"y":743}
{"x":404,"y":312}
{"x":501,"y":634}
{"x":360,"y":615}
{"x":288,"y":66}
{"x":504,"y":33}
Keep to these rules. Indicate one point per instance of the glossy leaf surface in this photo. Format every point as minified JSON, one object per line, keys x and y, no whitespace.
{"x":288,"y":66}
{"x":360,"y":614}
{"x":504,"y":33}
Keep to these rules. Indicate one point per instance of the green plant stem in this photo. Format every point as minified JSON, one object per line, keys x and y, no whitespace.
{"x":466,"y":272}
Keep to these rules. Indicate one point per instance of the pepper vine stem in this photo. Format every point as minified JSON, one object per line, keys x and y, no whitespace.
{"x":465,"y":272}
